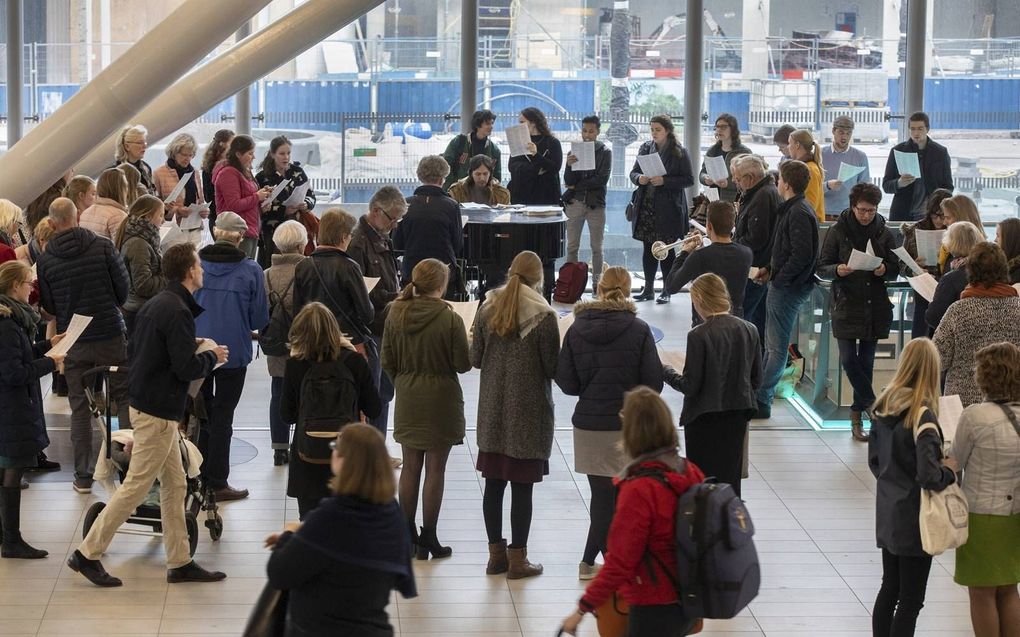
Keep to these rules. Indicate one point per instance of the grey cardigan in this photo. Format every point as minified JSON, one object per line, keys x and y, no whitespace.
{"x":279,"y":278}
{"x":722,"y":371}
{"x":987,"y":449}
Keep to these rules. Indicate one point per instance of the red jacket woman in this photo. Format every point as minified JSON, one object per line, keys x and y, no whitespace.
{"x":236,"y":190}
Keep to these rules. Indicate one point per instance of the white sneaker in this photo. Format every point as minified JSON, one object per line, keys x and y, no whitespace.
{"x":587,"y":571}
{"x":396,"y":462}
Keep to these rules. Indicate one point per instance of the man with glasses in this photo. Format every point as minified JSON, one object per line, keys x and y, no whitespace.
{"x":911,"y":191}
{"x":839,"y":152}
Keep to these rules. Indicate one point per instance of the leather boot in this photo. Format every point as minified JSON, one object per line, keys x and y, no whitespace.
{"x":412,"y":529}
{"x":429,"y":543}
{"x":520,"y":567}
{"x":497,"y":559}
{"x":10,"y":511}
{"x":857,"y":427}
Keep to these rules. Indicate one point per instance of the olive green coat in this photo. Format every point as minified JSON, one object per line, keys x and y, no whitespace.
{"x":424,"y":348}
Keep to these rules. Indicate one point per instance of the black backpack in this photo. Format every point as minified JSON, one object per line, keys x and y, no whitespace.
{"x":328,"y":401}
{"x":273,"y":338}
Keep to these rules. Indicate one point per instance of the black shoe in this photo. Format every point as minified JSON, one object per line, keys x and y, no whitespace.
{"x":92,"y":570}
{"x":764,"y":412}
{"x":663,"y":299}
{"x":647,"y":294}
{"x":43,"y":463}
{"x":228,"y":493}
{"x":280,"y":457}
{"x":24,"y":484}
{"x":429,"y":543}
{"x":192,"y":572}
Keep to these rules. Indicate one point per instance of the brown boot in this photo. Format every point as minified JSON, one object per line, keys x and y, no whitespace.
{"x":857,"y":427}
{"x":497,"y":559}
{"x":520,"y":567}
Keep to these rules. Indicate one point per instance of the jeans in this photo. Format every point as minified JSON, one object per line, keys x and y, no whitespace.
{"x":904,"y":581}
{"x":666,"y":620}
{"x":755,"y":295}
{"x":385,"y":386}
{"x":781,"y":309}
{"x":81,"y":358}
{"x":858,"y":360}
{"x":577,"y":212}
{"x":221,"y":391}
{"x":279,"y":431}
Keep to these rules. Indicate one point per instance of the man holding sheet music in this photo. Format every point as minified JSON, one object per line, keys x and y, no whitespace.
{"x":845,"y":166}
{"x":586,"y":176}
{"x":923,"y":156}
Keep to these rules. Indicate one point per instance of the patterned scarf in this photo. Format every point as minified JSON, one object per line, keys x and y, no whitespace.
{"x":22,"y":314}
{"x":996,"y":291}
{"x":142,"y":228}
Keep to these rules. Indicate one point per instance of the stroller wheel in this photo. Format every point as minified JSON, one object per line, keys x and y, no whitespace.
{"x":192,"y":524}
{"x":90,"y":518}
{"x":215,"y":527}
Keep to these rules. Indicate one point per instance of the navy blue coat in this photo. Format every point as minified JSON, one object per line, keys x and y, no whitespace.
{"x":431,"y":229}
{"x":606,"y":352}
{"x":670,"y":204}
{"x":22,"y":364}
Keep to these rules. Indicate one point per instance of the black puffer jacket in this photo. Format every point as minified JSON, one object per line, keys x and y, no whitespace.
{"x":82,"y":273}
{"x":22,"y":364}
{"x":795,"y":246}
{"x":345,"y":293}
{"x":606,"y":352}
{"x":756,"y":223}
{"x":860,"y":306}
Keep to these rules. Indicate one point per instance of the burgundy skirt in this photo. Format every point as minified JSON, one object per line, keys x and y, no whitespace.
{"x":496,"y":466}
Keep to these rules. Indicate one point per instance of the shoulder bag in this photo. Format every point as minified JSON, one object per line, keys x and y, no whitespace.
{"x":944,"y":514}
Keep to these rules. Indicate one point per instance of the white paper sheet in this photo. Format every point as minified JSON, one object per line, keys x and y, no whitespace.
{"x":712,"y":194}
{"x":277,"y":190}
{"x":171,"y":235}
{"x":371,"y":282}
{"x":517,"y":137}
{"x":869,"y":249}
{"x":178,"y":189}
{"x":716,"y":168}
{"x":700,"y":228}
{"x":676,"y":360}
{"x":929,"y":242}
{"x":164,"y":230}
{"x":470,"y":205}
{"x":74,"y":330}
{"x":907,"y":163}
{"x":194,"y":219}
{"x":950,"y":410}
{"x":904,"y":256}
{"x":564,"y":324}
{"x":298,"y":196}
{"x":848,"y":171}
{"x":585,"y":153}
{"x":35,"y":271}
{"x":466,"y":310}
{"x":503,"y":218}
{"x":753,"y":273}
{"x":864,"y":262}
{"x":651,"y":165}
{"x":924,"y":285}
{"x":206,"y":345}
{"x":464,"y":219}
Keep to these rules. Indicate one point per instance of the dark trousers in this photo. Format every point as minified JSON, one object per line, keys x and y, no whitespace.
{"x":904,"y":582}
{"x":306,"y":506}
{"x":385,"y":387}
{"x":858,"y":361}
{"x":755,"y":295}
{"x":667,"y":620}
{"x":649,"y":264}
{"x":221,"y":391}
{"x":715,"y":442}
{"x":919,"y":327}
{"x":129,"y":321}
{"x":279,"y":431}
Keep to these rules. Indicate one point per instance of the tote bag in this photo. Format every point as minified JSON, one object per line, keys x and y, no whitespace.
{"x":944,"y":514}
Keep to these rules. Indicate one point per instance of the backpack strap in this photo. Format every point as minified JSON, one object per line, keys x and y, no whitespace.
{"x":338,"y":307}
{"x":1005,"y":407}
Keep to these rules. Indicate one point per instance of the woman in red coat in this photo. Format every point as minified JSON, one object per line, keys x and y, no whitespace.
{"x":644,"y":524}
{"x":236,"y":190}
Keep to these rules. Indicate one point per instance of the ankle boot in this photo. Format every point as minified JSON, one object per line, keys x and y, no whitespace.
{"x":280,"y":457}
{"x":520,"y":567}
{"x":429,"y":543}
{"x":497,"y":559}
{"x":10,"y":511}
{"x":857,"y":427}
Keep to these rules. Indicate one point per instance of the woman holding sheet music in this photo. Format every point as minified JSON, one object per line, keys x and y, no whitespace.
{"x":179,"y":153}
{"x":277,"y":168}
{"x":933,"y":220}
{"x":727,"y":145}
{"x":658,"y":208}
{"x":535,"y":177}
{"x":860,"y":307}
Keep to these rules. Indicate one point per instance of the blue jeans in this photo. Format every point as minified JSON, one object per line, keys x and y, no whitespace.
{"x":279,"y":431}
{"x":754,"y":308}
{"x":781,"y":309}
{"x":858,"y":360}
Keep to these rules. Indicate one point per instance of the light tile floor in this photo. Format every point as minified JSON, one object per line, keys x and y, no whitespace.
{"x":810,"y":494}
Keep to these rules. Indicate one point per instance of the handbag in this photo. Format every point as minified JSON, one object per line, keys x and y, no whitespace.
{"x":944,"y":514}
{"x":632,"y":208}
{"x":311,"y":223}
{"x":269,"y":616}
{"x":1012,"y":417}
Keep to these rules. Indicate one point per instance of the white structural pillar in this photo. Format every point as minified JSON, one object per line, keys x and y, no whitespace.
{"x":468,"y":62}
{"x":242,"y":64}
{"x":102,"y":106}
{"x":694,"y":62}
{"x":891,"y":37}
{"x":242,"y":101}
{"x":15,"y":70}
{"x":917,"y":48}
{"x":754,"y":58}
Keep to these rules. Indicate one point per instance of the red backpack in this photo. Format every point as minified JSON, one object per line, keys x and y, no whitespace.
{"x":571,"y":282}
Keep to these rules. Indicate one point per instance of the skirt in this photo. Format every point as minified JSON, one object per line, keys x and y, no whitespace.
{"x":991,"y":556}
{"x":497,"y":466}
{"x":598,"y":453}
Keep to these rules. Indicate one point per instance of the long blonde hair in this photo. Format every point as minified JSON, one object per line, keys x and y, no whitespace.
{"x":144,"y":207}
{"x":315,"y":335}
{"x":429,"y":276}
{"x":807,"y":142}
{"x":614,"y":284}
{"x":526,"y":269}
{"x":710,"y":291}
{"x":915,"y":386}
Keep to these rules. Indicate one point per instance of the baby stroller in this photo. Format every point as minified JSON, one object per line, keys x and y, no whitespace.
{"x":114,"y":459}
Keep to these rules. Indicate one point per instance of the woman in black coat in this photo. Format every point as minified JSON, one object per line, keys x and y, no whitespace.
{"x":535,"y":177}
{"x":860,"y":307}
{"x":728,"y":146}
{"x":340,"y":565}
{"x":277,"y":167}
{"x":658,"y":210}
{"x":316,"y":341}
{"x":22,"y":425}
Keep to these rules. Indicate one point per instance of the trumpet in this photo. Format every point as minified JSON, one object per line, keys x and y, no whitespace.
{"x":660,"y":249}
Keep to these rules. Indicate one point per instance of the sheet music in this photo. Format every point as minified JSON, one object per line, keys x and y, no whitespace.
{"x":700,"y":228}
{"x":752,"y":274}
{"x":907,"y":163}
{"x":71,"y":335}
{"x":178,"y":189}
{"x":924,"y":285}
{"x":503,"y":218}
{"x":712,"y":194}
{"x":869,"y":249}
{"x":371,"y":282}
{"x":171,"y":235}
{"x":564,"y":324}
{"x":848,"y":171}
{"x":950,"y":411}
{"x":194,"y":219}
{"x":585,"y":153}
{"x":651,"y":165}
{"x":904,"y":256}
{"x":205,"y":345}
{"x":470,"y":205}
{"x":464,"y":219}
{"x":517,"y":137}
{"x":676,"y":360}
{"x":466,"y":310}
{"x":929,"y":242}
{"x":277,"y":190}
{"x":716,"y":168}
{"x":864,"y":262}
{"x":298,"y":196}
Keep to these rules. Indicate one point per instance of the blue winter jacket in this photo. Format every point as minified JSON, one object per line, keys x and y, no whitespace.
{"x":234,"y":297}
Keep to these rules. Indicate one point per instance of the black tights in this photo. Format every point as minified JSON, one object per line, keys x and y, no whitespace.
{"x":434,"y":464}
{"x":12,"y":478}
{"x":520,"y":511}
{"x":650,"y":263}
{"x":603,"y":503}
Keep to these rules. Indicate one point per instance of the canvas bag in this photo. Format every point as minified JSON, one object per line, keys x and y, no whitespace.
{"x":944,"y":514}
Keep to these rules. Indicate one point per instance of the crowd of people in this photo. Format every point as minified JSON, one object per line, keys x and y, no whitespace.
{"x":352,"y":315}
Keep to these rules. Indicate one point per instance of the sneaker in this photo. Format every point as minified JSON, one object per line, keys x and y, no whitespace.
{"x":396,"y":462}
{"x":228,"y":493}
{"x":192,"y":572}
{"x":82,"y":485}
{"x":586,"y":571}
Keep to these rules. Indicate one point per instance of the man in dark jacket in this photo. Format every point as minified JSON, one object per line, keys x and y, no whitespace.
{"x":372,"y":249}
{"x":756,"y":225}
{"x":82,"y":273}
{"x":585,"y":198}
{"x":910,"y":192}
{"x":164,"y":360}
{"x":790,"y":275}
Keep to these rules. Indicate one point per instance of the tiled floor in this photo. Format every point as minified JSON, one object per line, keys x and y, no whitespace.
{"x":810,"y":494}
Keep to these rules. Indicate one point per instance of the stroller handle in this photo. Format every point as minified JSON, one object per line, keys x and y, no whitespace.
{"x":88,"y":381}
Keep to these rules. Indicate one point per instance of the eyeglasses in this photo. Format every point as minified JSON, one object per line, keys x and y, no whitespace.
{"x":718,"y":126}
{"x":333,"y":443}
{"x":866,"y":211}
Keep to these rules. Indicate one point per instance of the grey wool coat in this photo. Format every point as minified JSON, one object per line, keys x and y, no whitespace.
{"x":515,"y":406}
